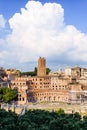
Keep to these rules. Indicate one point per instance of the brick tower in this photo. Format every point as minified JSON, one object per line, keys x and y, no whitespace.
{"x":41,"y":70}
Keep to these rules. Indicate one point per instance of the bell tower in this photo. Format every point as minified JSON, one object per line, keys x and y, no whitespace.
{"x":41,"y":69}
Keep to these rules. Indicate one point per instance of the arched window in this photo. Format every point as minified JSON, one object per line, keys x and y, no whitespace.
{"x":54,"y":98}
{"x":50,"y":98}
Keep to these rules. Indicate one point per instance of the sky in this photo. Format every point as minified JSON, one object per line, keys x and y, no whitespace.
{"x":54,"y":29}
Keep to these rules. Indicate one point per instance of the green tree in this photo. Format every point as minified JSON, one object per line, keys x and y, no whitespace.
{"x":60,"y":111}
{"x":48,"y":70}
{"x":7,"y":94}
{"x":41,"y":120}
{"x":8,"y":120}
{"x":33,"y":73}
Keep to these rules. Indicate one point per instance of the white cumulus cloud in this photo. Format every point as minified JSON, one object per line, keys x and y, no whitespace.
{"x":35,"y":28}
{"x":40,"y":30}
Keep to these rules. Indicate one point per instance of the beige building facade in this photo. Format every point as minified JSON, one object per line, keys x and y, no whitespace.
{"x":50,"y":88}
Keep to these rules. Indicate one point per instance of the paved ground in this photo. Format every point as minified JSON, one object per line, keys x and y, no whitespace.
{"x":68,"y":108}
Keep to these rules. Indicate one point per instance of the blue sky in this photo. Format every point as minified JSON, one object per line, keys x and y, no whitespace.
{"x":23,"y":38}
{"x":75,"y":11}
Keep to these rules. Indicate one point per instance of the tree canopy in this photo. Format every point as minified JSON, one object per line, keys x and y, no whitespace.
{"x":7,"y":94}
{"x":42,"y":120}
{"x":33,"y":73}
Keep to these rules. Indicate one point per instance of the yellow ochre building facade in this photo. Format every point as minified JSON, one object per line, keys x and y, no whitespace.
{"x":65,"y":87}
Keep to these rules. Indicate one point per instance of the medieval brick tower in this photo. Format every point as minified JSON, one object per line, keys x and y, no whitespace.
{"x":41,"y":70}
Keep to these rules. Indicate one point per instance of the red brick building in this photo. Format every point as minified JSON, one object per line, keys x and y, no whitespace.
{"x":48,"y":88}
